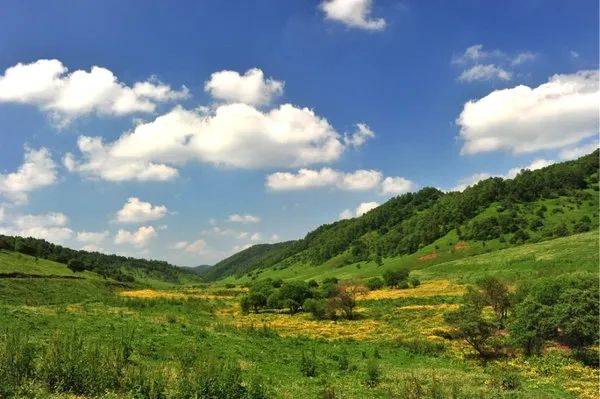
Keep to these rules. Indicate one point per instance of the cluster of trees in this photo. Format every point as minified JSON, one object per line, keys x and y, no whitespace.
{"x":120,"y":268}
{"x":562,"y":309}
{"x":408,"y":222}
{"x":329,"y":300}
{"x":393,"y":279}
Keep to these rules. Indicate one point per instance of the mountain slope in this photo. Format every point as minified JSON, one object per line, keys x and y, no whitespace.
{"x":558,"y":200}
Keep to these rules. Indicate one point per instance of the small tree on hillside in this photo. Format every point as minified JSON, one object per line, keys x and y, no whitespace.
{"x":76,"y":265}
{"x":496,"y":294}
{"x":393,"y":278}
{"x":346,"y":298}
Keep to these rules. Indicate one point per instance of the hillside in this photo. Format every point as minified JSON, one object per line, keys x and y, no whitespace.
{"x":119,"y":268}
{"x":555,"y":201}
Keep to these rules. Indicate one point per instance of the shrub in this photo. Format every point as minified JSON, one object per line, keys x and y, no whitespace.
{"x":415,"y":282}
{"x":76,"y":265}
{"x":294,"y":293}
{"x":213,"y":378}
{"x":403,"y":285}
{"x":393,"y":278}
{"x":316,"y":307}
{"x":374,"y":283}
{"x":143,"y":383}
{"x":275,"y":301}
{"x":308,"y":365}
{"x":343,"y":361}
{"x":373,"y":373}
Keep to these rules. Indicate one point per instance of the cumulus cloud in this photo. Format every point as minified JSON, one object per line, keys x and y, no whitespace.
{"x":196,"y":247}
{"x":360,"y":210}
{"x":511,"y":174}
{"x":481,"y":72}
{"x":137,"y":211}
{"x":38,"y":170}
{"x":352,"y":13}
{"x":308,"y":178}
{"x":237,"y":218}
{"x":396,"y":185}
{"x":50,"y":226}
{"x":66,"y":95}
{"x":359,"y":136}
{"x":98,"y":162}
{"x":138,"y":238}
{"x":476,"y":54}
{"x":522,"y":119}
{"x":231,"y":135}
{"x":91,"y":237}
{"x":359,"y":180}
{"x":250,"y":88}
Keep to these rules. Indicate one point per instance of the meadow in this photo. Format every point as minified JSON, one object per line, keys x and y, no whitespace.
{"x":68,"y":335}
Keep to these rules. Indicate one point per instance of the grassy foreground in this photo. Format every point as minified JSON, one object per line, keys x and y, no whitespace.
{"x":80,"y":335}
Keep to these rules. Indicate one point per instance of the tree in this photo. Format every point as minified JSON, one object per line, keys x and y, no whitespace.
{"x":294,"y":293}
{"x":374,"y":283}
{"x":531,"y":325}
{"x":576,"y":316}
{"x":347,"y":298}
{"x":76,"y":265}
{"x":393,"y":278}
{"x":496,"y":295}
{"x":470,"y":325}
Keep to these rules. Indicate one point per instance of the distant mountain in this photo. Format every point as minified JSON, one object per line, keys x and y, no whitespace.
{"x":199,"y":269}
{"x":510,"y":210}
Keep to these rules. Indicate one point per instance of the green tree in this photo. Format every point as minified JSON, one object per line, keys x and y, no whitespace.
{"x":76,"y":265}
{"x":393,"y":278}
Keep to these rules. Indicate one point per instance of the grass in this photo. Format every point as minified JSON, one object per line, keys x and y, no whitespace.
{"x":146,"y":340}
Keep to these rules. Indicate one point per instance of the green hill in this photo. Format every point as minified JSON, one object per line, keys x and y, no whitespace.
{"x":36,"y":257}
{"x":556,"y":201}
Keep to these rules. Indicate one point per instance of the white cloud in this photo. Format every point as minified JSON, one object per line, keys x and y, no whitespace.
{"x":236,"y":218}
{"x":511,"y":174}
{"x":360,"y":136}
{"x":98,"y":162}
{"x":556,"y":114}
{"x":91,"y":237}
{"x":352,"y":13}
{"x":579,"y":151}
{"x":179,"y":245}
{"x":359,"y":180}
{"x":250,"y":88}
{"x":136,"y":211}
{"x":231,"y":135}
{"x":196,"y":247}
{"x":308,"y":178}
{"x":482,"y":72}
{"x":67,"y":95}
{"x":396,"y":185}
{"x":38,"y":170}
{"x":50,"y":226}
{"x":523,"y":57}
{"x":360,"y":210}
{"x":476,"y":54}
{"x":138,"y":238}
{"x":574,"y":54}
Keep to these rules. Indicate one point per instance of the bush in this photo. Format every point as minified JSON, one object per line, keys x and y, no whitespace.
{"x":373,"y":373}
{"x":316,"y":307}
{"x":343,"y":361}
{"x":415,"y":282}
{"x":393,"y":278}
{"x":76,"y":265}
{"x":308,"y":365}
{"x":374,"y":283}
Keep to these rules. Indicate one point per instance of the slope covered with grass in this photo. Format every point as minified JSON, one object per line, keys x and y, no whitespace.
{"x":559,"y":200}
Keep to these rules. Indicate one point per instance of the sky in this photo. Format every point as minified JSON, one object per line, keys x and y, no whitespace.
{"x":188,"y":131}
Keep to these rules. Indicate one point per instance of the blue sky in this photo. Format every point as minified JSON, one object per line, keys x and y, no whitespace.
{"x":188,"y":132}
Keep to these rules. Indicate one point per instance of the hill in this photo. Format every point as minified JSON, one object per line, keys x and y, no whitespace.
{"x":119,"y":268}
{"x":555,"y":201}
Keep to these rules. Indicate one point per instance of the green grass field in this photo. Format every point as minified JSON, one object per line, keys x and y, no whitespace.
{"x":167,"y":330}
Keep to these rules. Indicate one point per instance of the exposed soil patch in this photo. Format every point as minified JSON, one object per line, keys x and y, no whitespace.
{"x":430,"y":256}
{"x":460,"y":245}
